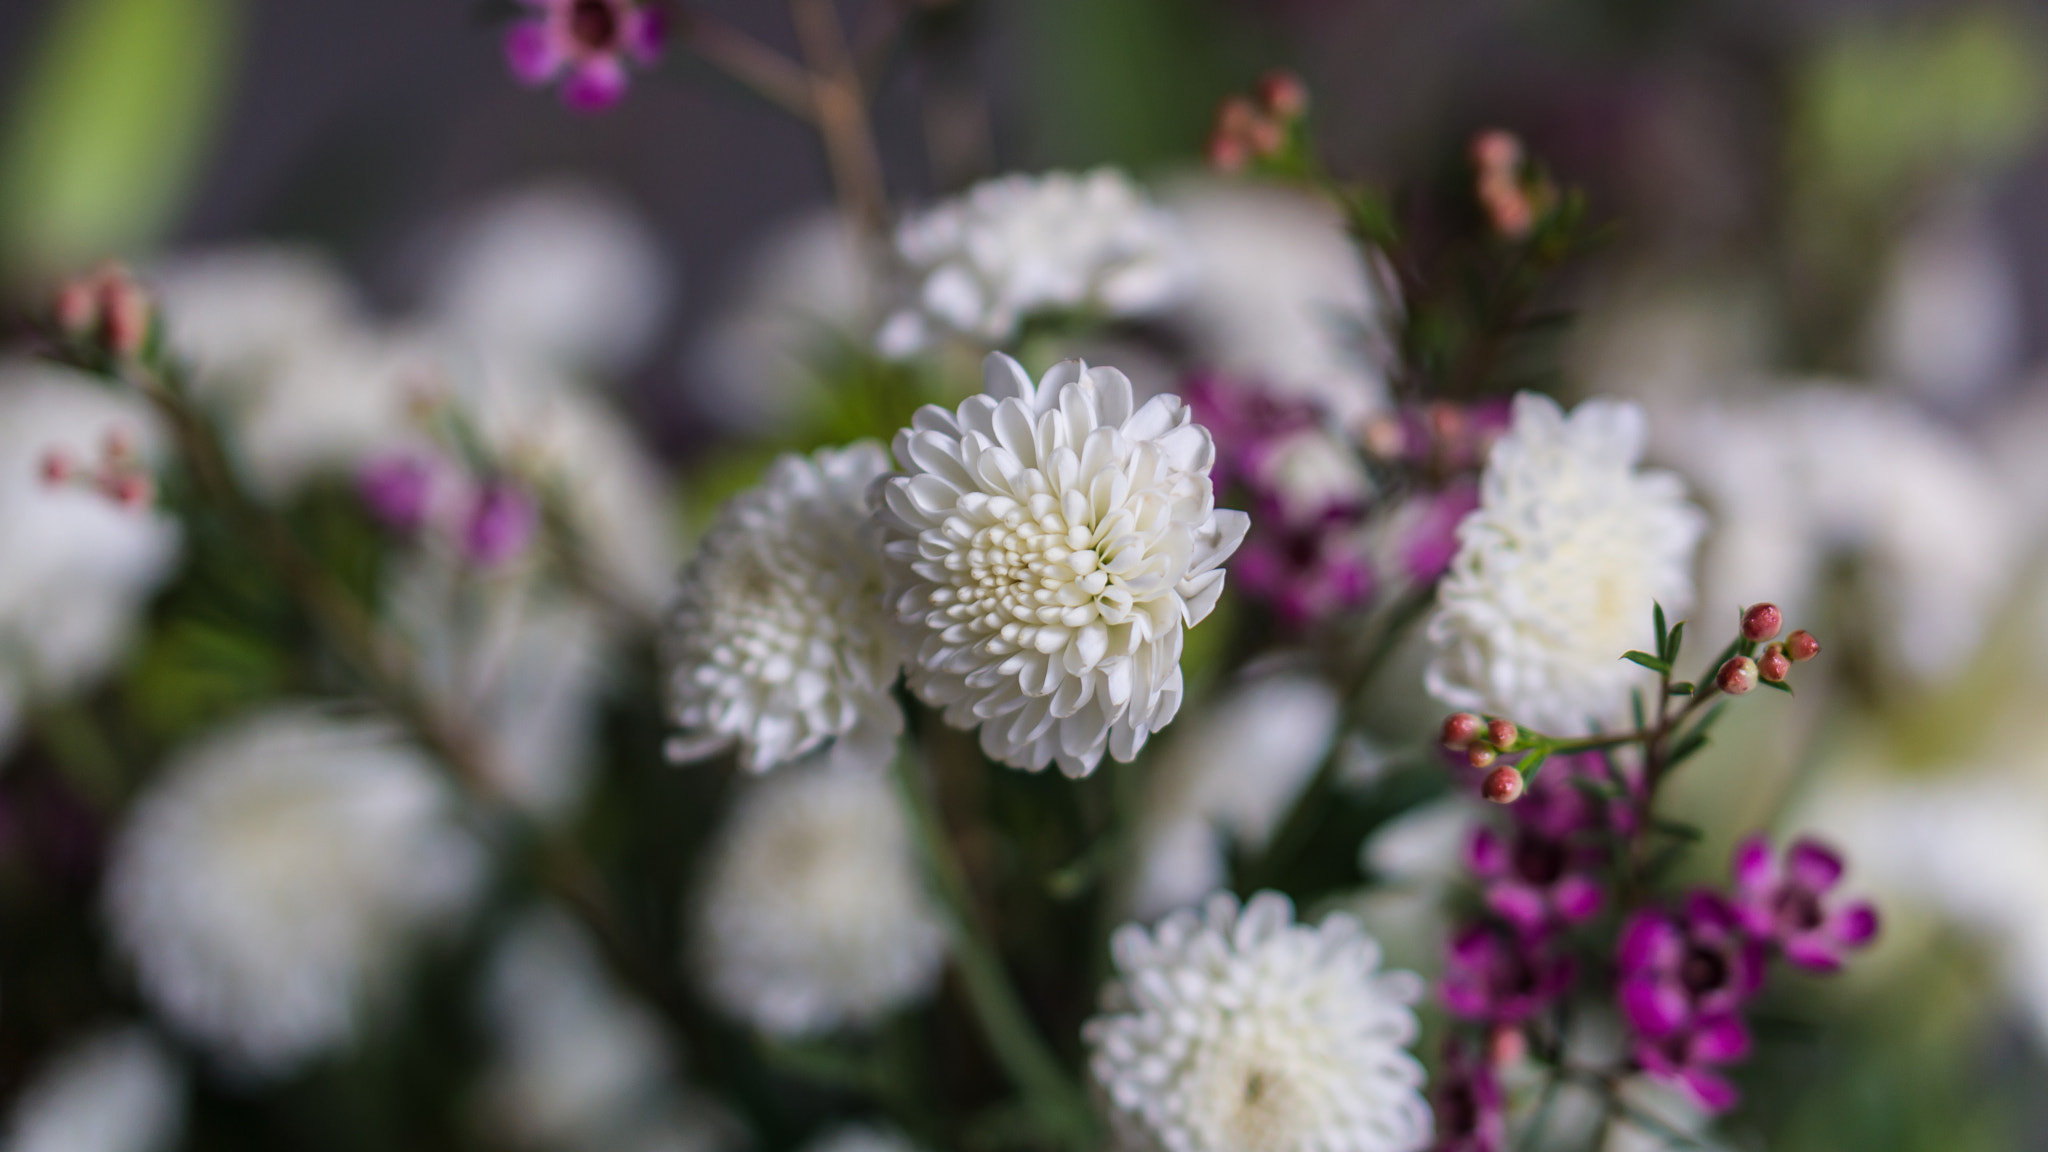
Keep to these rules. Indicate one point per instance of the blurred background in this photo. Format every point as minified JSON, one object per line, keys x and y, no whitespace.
{"x":1823,"y":268}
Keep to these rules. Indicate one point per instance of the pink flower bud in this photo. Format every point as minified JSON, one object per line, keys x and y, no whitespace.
{"x":1481,"y":755}
{"x":1503,"y":785}
{"x":1460,"y":729}
{"x":1228,"y":154}
{"x":1802,"y":646}
{"x":1508,"y":1045}
{"x":1266,"y":136}
{"x":1774,"y":665}
{"x":1283,"y":94}
{"x":1502,"y":734}
{"x":1385,"y":438}
{"x":77,"y":308}
{"x":131,"y":490}
{"x":129,"y":313}
{"x":56,"y":466}
{"x":1496,"y":150}
{"x":1762,"y":622}
{"x":1737,"y":676}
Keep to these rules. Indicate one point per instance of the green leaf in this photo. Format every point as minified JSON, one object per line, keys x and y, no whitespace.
{"x":1657,"y":620}
{"x":1532,"y":764}
{"x":109,"y":126}
{"x":1682,"y":688}
{"x":1693,"y":742}
{"x":1677,"y":639}
{"x":1780,"y":685}
{"x":1677,"y":829}
{"x":1635,"y":702}
{"x":1653,"y":663}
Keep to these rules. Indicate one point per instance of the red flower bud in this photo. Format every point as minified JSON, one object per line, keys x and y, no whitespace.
{"x":1283,"y":94}
{"x":1481,"y":755}
{"x":1762,"y":622}
{"x":1801,"y":646}
{"x":131,"y":490}
{"x":129,"y":313}
{"x":1496,"y":150}
{"x":1460,"y":729}
{"x":1503,"y":785}
{"x":1502,"y":734}
{"x":56,"y":466}
{"x":1737,"y":676}
{"x":1774,"y":665}
{"x":77,"y":308}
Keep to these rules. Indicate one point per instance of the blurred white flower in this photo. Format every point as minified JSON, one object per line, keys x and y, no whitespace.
{"x":1557,"y":569}
{"x":1226,"y":776}
{"x":576,"y":1065}
{"x":780,"y":639}
{"x":1020,"y":245}
{"x":814,"y":912}
{"x":809,"y":283}
{"x":116,"y":1091}
{"x":1281,"y":295}
{"x":240,"y":314}
{"x":859,"y":1138}
{"x":1816,"y":471}
{"x":561,"y":272}
{"x":1237,"y":1029}
{"x":267,"y":882}
{"x":1948,"y":322}
{"x":78,"y":564}
{"x":1045,"y":549}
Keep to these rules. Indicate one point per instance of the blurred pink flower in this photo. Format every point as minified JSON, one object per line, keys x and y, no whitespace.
{"x":1787,"y":905}
{"x":589,"y":41}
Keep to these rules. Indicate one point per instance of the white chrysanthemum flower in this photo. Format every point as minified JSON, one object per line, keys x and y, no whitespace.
{"x":814,"y":912}
{"x":780,"y":640}
{"x":117,"y":1091}
{"x":1021,"y":245}
{"x":859,"y":1138}
{"x":1558,"y":568}
{"x":1045,"y":549}
{"x":577,"y":1066}
{"x":78,"y":565}
{"x":239,"y":314}
{"x":1228,"y":777}
{"x":265,"y":885}
{"x":1241,"y":1031}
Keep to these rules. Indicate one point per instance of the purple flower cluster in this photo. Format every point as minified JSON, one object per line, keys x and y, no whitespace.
{"x":586,"y":44}
{"x":490,"y":521}
{"x":1685,"y":976}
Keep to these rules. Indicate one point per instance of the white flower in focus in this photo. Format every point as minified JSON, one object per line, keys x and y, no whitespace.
{"x":268,"y":881}
{"x":78,"y":565}
{"x":1045,"y":549}
{"x":577,"y":1066}
{"x":1281,"y":295}
{"x":1020,"y":245}
{"x":562,"y":272}
{"x":814,"y":912}
{"x":1226,"y":776}
{"x":1558,"y":568}
{"x":117,"y":1091}
{"x":859,"y":1138}
{"x":1241,"y":1031}
{"x":779,"y":639}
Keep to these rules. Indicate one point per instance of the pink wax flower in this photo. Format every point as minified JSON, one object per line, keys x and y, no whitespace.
{"x":499,"y":525}
{"x":398,"y":490}
{"x":1538,"y":878}
{"x":1501,"y":977}
{"x":588,"y":41}
{"x":1676,"y":971}
{"x":1686,"y":1059}
{"x":1788,"y":905}
{"x":1470,"y":1109}
{"x":1305,"y":571}
{"x":1430,"y":539}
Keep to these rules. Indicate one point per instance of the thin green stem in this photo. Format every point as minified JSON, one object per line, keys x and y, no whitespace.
{"x":1051,"y":1095}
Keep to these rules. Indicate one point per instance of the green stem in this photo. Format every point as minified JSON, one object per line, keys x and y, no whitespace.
{"x":1055,"y":1100}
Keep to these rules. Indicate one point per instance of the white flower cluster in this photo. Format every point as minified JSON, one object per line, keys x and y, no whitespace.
{"x":1023,"y":245}
{"x":779,"y":639}
{"x":1234,"y":1029}
{"x":78,"y":565}
{"x":814,"y":913}
{"x":266,"y":884}
{"x":1045,"y":547}
{"x":115,"y":1091}
{"x":1558,"y":568}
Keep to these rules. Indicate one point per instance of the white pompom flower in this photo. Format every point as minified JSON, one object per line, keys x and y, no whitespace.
{"x":1558,"y":568}
{"x":1239,"y":1030}
{"x":266,"y":886}
{"x":1046,"y":545}
{"x":814,"y":914}
{"x":779,"y":640}
{"x":114,"y":1091}
{"x":1019,"y":246}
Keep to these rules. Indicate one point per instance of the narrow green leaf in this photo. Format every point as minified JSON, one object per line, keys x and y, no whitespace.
{"x":1678,"y":829}
{"x":1780,"y":685}
{"x":1635,"y":701}
{"x":1657,"y":619}
{"x":1682,"y":688}
{"x":1677,"y":640}
{"x":1693,"y":742}
{"x":1532,"y":764}
{"x":1646,"y":660}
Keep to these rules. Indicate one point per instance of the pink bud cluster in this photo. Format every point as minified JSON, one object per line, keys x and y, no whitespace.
{"x":1512,"y":201}
{"x":491,"y":520}
{"x":1761,"y":622}
{"x":1257,"y":127}
{"x":118,"y":474}
{"x":107,"y":309}
{"x":1484,"y":740}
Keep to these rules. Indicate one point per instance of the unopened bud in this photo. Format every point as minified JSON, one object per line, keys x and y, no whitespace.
{"x":1802,"y":646}
{"x":1507,"y":1046}
{"x":56,"y":466}
{"x":1737,"y":676}
{"x":1266,"y":136}
{"x":1762,"y":622}
{"x":77,"y":308}
{"x":1774,"y":665}
{"x":1228,"y":154}
{"x":1503,"y":785}
{"x":1496,"y":150}
{"x":1481,"y":755}
{"x":1460,"y":729}
{"x":128,"y":315}
{"x":131,"y":490}
{"x":1502,"y":734}
{"x":1283,"y":94}
{"x":1384,"y":437}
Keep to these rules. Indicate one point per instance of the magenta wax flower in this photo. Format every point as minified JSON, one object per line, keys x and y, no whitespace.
{"x":1430,"y":540}
{"x":1675,"y":972}
{"x":1686,"y":1058}
{"x":1500,"y":977}
{"x":500,"y":524}
{"x":589,"y":41}
{"x":1788,"y":905}
{"x":1537,"y":879}
{"x":1469,"y":1106}
{"x":1305,"y":571}
{"x":398,"y":490}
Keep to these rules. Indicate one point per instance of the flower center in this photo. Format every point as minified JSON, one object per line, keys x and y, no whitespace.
{"x":1702,"y":971}
{"x":1028,"y":578}
{"x":593,"y":25}
{"x":1799,"y":909}
{"x":1539,"y":861}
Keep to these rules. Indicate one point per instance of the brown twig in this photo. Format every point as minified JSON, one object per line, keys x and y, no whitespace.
{"x":767,"y":72}
{"x":841,"y":113}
